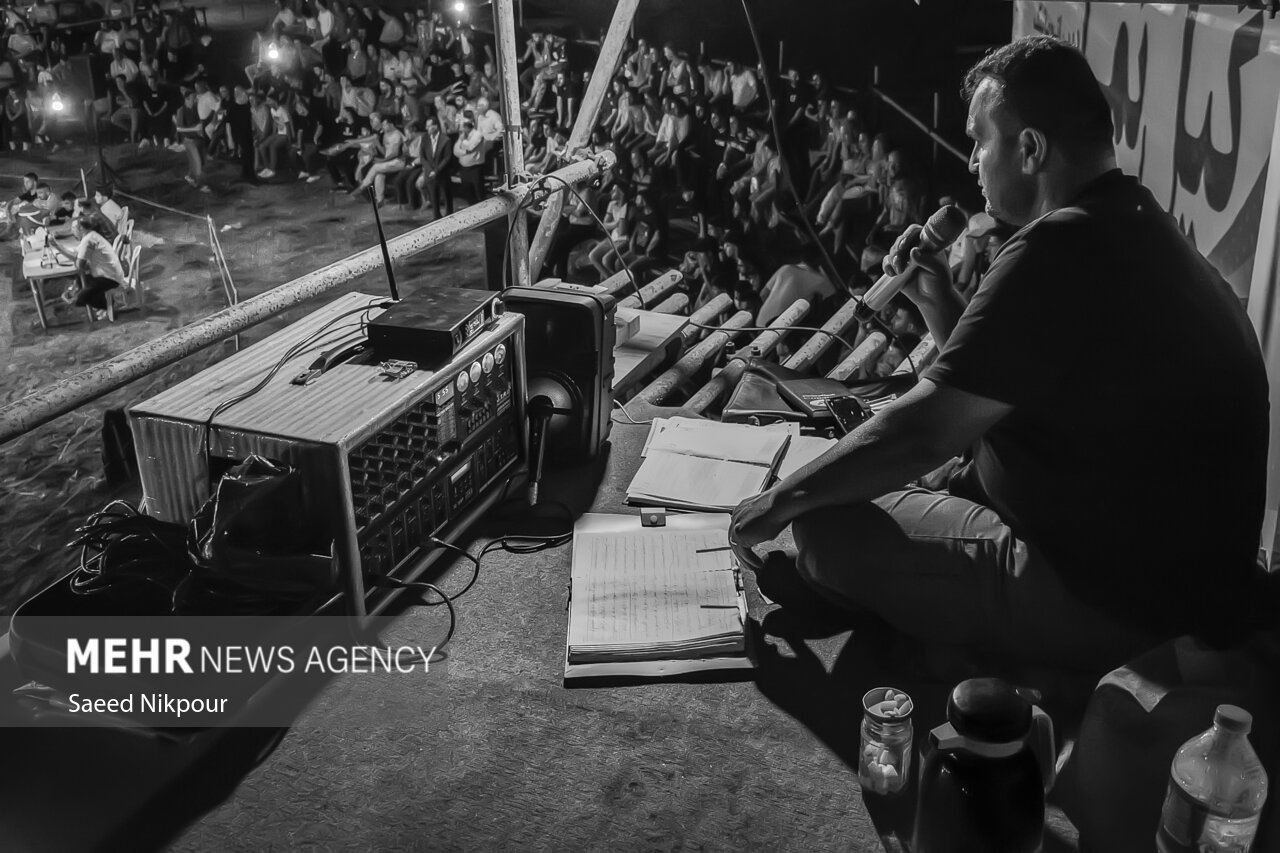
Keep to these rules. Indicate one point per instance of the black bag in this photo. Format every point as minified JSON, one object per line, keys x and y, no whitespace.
{"x":249,"y":543}
{"x":119,"y":456}
{"x":769,"y":393}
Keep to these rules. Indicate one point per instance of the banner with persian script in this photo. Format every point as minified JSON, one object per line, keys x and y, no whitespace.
{"x":1194,"y":92}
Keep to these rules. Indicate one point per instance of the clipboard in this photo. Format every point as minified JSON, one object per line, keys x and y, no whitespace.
{"x":634,"y":584}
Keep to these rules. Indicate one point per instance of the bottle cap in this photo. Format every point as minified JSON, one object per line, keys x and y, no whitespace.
{"x":1233,"y":718}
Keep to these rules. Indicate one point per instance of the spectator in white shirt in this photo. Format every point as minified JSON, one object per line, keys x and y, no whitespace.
{"x":488,"y":122}
{"x":113,"y":212}
{"x":99,"y":267}
{"x":469,"y":151}
{"x":743,"y":85}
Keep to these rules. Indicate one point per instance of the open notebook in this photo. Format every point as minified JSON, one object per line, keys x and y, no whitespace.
{"x":705,"y":465}
{"x":654,"y":601}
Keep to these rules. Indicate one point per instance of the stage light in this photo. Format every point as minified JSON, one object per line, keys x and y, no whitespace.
{"x":56,"y":104}
{"x":273,"y":52}
{"x":459,"y":7}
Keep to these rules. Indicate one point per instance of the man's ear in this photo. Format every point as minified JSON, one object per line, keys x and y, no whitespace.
{"x":1033,"y":148}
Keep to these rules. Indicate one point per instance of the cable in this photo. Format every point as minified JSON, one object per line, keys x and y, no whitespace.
{"x":627,"y":414}
{"x":530,"y":199}
{"x":475,"y":566}
{"x":423,"y":586}
{"x":626,"y":266}
{"x":311,"y":340}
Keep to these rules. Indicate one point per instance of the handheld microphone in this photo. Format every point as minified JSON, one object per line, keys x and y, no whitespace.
{"x":942,"y":229}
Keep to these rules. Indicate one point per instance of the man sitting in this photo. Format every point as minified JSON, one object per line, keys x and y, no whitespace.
{"x":1094,"y":513}
{"x":98,"y":265}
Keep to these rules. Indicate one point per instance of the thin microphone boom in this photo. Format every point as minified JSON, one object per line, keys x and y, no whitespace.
{"x":942,"y":229}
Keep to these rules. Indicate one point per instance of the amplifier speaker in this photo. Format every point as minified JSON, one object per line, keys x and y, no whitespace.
{"x":569,"y":340}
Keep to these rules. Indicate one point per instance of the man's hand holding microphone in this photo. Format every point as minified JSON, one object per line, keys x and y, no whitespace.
{"x":914,"y":266}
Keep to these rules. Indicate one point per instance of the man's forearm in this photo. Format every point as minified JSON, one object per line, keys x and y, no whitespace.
{"x":941,"y":315}
{"x":883,"y":454}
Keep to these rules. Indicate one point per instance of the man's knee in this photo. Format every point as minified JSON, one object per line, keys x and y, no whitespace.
{"x":844,"y":548}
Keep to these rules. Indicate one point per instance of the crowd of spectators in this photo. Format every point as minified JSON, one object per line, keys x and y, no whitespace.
{"x":405,"y":104}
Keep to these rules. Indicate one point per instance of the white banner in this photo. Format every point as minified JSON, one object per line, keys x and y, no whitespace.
{"x":1193,"y":91}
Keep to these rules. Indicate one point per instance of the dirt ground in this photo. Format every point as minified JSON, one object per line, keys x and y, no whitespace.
{"x":51,"y":479}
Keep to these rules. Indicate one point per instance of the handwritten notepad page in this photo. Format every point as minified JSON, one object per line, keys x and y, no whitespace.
{"x":643,"y":594}
{"x":700,"y":464}
{"x":801,"y":452}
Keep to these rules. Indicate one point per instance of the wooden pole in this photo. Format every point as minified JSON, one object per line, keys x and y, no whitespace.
{"x":504,"y":28}
{"x":610,"y":55}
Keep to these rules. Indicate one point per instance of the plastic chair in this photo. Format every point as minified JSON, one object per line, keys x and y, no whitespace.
{"x":116,"y":244}
{"x":126,"y":230}
{"x":124,"y":217}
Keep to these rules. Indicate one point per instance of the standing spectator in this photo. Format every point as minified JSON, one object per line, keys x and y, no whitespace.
{"x":191,"y":133}
{"x":16,"y":123}
{"x":240,"y":125}
{"x":469,"y":153}
{"x":744,"y":87}
{"x":158,"y":112}
{"x":437,"y":165}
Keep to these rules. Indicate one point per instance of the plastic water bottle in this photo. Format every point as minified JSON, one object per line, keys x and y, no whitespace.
{"x":1217,"y":788}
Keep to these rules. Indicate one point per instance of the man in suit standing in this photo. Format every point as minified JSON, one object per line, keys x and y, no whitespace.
{"x":437,"y":165}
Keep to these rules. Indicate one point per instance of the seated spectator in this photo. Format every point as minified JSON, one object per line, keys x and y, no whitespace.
{"x":745,"y":298}
{"x":387,"y":157}
{"x":127,"y":114}
{"x":535,"y":146}
{"x":343,"y":139}
{"x":617,"y":224}
{"x":646,"y":246}
{"x":104,"y":198}
{"x":98,"y":265}
{"x":802,"y":280}
{"x":276,"y":141}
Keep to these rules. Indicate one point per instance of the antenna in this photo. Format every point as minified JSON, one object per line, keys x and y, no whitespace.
{"x":382,"y":241}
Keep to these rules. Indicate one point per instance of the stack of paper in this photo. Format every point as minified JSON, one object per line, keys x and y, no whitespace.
{"x":707,"y":465}
{"x":654,"y":601}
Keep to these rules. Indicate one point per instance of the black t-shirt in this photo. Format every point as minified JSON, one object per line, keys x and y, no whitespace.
{"x":1135,"y":455}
